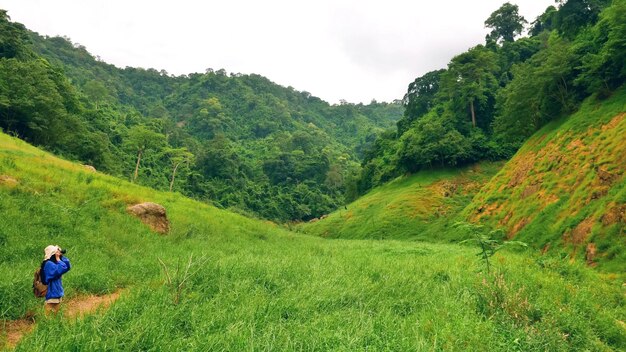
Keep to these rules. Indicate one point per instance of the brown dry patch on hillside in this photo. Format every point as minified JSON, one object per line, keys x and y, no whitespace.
{"x":590,"y":253}
{"x":606,"y":177}
{"x":546,"y":198}
{"x":614,"y":122}
{"x":505,"y":220}
{"x":530,"y":190}
{"x":487,"y":210}
{"x":517,"y":227}
{"x":471,"y":187}
{"x":444,"y":188}
{"x":74,"y":308}
{"x":521,"y":168}
{"x":578,"y":147}
{"x":8,"y":181}
{"x":580,"y":233}
{"x":614,"y":213}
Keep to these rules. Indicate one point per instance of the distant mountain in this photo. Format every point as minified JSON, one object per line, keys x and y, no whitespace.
{"x":236,"y":141}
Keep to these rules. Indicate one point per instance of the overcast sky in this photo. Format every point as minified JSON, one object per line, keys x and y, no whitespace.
{"x":357,"y":50}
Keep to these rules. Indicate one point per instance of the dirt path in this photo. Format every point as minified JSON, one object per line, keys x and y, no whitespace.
{"x":72,"y":308}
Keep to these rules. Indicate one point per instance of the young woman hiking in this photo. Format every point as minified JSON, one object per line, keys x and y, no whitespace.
{"x":52,"y":268}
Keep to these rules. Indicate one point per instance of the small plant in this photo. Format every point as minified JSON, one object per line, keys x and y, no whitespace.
{"x":489,"y":244}
{"x":176,"y":282}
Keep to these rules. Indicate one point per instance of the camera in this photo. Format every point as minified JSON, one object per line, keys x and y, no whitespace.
{"x":63,"y":250}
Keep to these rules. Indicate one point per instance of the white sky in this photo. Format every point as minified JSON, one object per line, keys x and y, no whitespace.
{"x":357,"y":50}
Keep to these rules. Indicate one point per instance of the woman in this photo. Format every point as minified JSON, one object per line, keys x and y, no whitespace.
{"x":53,"y":267}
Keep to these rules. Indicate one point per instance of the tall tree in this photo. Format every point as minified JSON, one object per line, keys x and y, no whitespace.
{"x":95,"y":91}
{"x":140,"y":138}
{"x":505,"y":23}
{"x":576,"y":14}
{"x":13,"y":39}
{"x":541,"y":90}
{"x":419,"y":98}
{"x":471,"y":79}
{"x":544,"y":22}
{"x":178,"y":157}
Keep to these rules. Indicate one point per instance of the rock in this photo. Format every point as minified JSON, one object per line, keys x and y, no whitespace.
{"x":89,"y":168}
{"x":8,"y":181}
{"x":151,"y":214}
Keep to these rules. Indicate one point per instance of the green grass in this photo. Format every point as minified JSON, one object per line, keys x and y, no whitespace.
{"x":265,"y":288}
{"x":418,"y":207}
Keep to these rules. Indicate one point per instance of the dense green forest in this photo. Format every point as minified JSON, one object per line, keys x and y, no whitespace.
{"x":245,"y":143}
{"x":237,"y":141}
{"x":490,"y":99}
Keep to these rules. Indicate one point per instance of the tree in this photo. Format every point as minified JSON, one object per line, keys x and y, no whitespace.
{"x":430,"y":142}
{"x":95,"y":91}
{"x":604,"y":64}
{"x":574,"y":15}
{"x":210,"y":119}
{"x":506,"y":23}
{"x":178,"y":157}
{"x":541,"y":90}
{"x":470,"y":79}
{"x":544,"y":22}
{"x":36,"y":101}
{"x":13,"y":39}
{"x":140,"y":138}
{"x":419,"y":99}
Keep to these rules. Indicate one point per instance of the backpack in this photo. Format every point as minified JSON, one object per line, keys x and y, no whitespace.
{"x":39,"y":288}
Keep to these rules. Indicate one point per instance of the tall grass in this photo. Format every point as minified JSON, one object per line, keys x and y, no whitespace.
{"x":264,"y":288}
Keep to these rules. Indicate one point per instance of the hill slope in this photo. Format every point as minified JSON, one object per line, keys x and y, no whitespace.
{"x":257,"y":286}
{"x":417,"y":207}
{"x":566,"y":187}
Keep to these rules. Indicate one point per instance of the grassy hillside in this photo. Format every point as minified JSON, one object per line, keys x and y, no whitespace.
{"x":422,"y":206}
{"x":264,"y":288}
{"x":566,"y":187}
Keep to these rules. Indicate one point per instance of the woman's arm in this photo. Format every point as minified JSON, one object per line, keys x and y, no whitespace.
{"x":55,"y":270}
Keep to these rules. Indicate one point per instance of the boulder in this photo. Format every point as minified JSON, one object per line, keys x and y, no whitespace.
{"x":151,"y":214}
{"x":89,"y":168}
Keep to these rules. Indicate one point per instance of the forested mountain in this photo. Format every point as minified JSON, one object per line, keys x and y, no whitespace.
{"x":238,"y":141}
{"x":243,"y":142}
{"x":490,"y":99}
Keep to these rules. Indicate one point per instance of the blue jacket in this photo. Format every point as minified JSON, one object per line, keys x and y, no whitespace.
{"x":53,"y":272}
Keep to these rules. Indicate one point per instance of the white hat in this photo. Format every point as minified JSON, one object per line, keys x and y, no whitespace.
{"x":50,"y":251}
